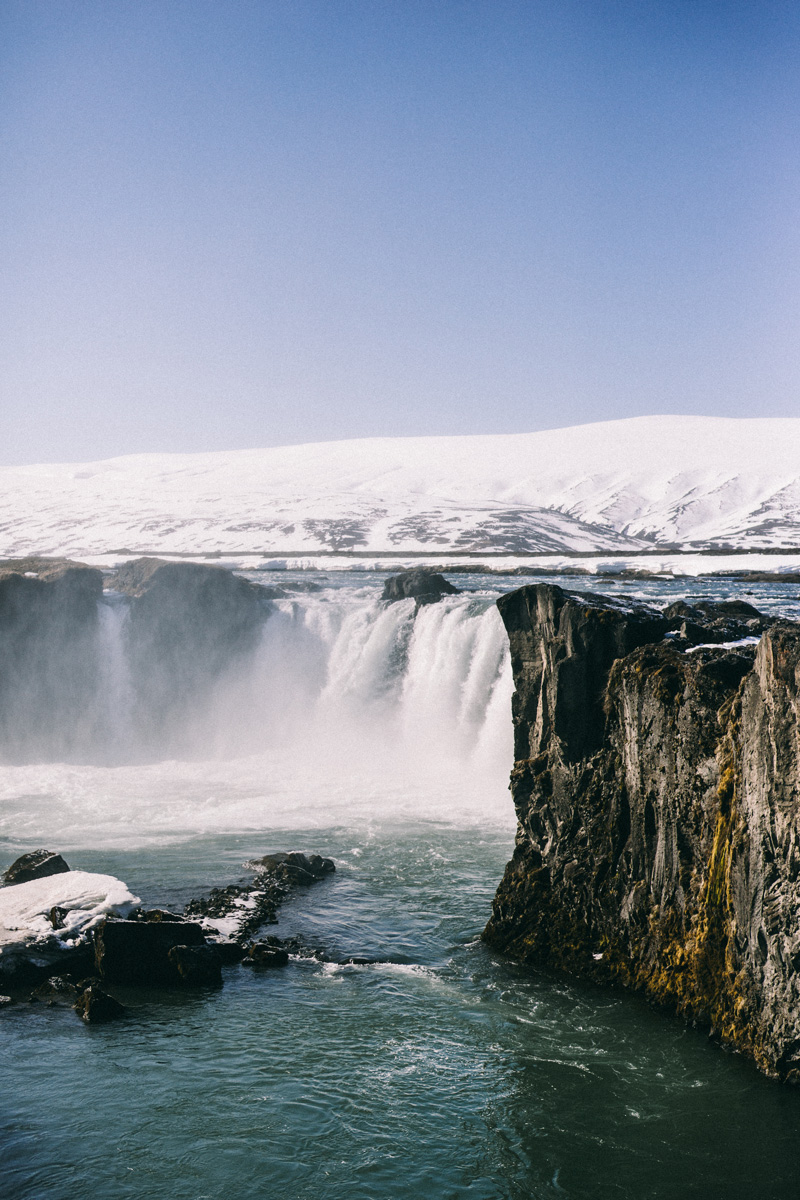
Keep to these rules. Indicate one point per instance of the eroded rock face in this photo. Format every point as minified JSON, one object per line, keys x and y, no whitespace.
{"x":49,"y":665}
{"x":38,"y":864}
{"x":138,"y":952}
{"x":186,"y":624}
{"x":425,"y":586}
{"x":656,"y":788}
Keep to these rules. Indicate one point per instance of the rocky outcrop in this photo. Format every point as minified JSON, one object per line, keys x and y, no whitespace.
{"x":293,"y":867}
{"x":126,"y":672}
{"x":96,"y":1007}
{"x":139,"y":952}
{"x":424,"y":586}
{"x":49,"y":668}
{"x":248,"y":906}
{"x":656,"y":787}
{"x":135,"y":947}
{"x":196,"y":966}
{"x":38,"y":864}
{"x":187,"y":623}
{"x":269,"y":952}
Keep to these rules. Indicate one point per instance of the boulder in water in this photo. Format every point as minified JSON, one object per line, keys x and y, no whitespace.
{"x":229,"y":953}
{"x":58,"y":988}
{"x":94,"y":1006}
{"x":420,"y":584}
{"x":294,"y":867}
{"x":137,"y":952}
{"x":197,"y":966}
{"x":36,"y":865}
{"x":158,"y":914}
{"x":267,"y":953}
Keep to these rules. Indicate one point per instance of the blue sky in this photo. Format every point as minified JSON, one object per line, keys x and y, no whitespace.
{"x":227,"y":223}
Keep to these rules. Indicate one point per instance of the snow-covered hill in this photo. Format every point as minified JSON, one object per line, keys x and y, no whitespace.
{"x":613,"y":486}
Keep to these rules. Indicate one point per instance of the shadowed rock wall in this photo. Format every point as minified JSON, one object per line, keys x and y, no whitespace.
{"x":186,"y":624}
{"x":49,"y":669}
{"x":657,"y":789}
{"x":123,"y":677}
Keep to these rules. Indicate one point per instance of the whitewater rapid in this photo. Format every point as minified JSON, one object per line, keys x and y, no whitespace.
{"x":349,"y":712}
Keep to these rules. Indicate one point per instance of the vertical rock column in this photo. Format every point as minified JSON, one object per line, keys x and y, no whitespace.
{"x":658,"y":843}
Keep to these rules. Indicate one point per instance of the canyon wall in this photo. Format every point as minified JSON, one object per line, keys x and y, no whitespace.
{"x":656,"y":787}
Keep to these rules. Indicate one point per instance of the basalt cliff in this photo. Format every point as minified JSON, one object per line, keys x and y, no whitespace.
{"x":120,"y":667}
{"x":657,"y":787}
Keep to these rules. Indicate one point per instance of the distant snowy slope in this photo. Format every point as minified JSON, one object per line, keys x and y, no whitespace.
{"x":615,"y":485}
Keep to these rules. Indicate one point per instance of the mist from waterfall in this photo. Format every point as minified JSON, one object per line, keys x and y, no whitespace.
{"x":347,"y":708}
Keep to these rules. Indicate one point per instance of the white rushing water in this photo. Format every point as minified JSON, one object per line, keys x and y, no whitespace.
{"x":349,"y":711}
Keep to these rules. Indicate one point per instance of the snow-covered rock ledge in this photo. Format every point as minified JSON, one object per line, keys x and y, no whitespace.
{"x":64,"y":907}
{"x":47,"y":919}
{"x":66,"y":934}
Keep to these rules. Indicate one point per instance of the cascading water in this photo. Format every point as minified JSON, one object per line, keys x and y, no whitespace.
{"x":346,"y":707}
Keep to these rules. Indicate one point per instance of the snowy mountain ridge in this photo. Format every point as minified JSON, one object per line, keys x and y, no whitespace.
{"x":689,"y":482}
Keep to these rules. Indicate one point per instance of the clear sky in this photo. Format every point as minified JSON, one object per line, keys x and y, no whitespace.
{"x":240,"y":223}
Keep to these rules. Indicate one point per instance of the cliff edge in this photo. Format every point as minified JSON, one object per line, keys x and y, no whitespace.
{"x":656,"y":786}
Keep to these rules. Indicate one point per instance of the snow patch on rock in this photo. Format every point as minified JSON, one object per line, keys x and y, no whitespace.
{"x":85,"y":898}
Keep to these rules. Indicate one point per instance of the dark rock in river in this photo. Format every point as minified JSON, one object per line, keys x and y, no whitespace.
{"x":257,"y":903}
{"x":294,"y":867}
{"x":137,"y":952}
{"x":267,"y":953}
{"x":196,"y":966}
{"x":229,"y":953}
{"x":56,"y":988}
{"x":658,"y":843}
{"x":156,"y":914}
{"x":26,"y":965}
{"x":94,"y":1006}
{"x":36,"y":865}
{"x":426,"y":587}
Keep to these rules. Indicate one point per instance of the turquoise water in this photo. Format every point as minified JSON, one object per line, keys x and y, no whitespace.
{"x":447,"y":1073}
{"x":444,"y":1073}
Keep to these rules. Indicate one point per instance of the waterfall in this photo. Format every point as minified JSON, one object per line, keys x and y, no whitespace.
{"x":115,"y":723}
{"x":343,"y":674}
{"x":345,"y":709}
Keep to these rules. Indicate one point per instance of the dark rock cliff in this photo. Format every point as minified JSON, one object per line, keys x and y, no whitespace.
{"x":88,"y":676}
{"x":186,"y":624}
{"x":656,"y":787}
{"x":49,"y":671}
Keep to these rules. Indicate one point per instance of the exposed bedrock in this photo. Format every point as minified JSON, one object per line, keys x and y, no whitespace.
{"x":87,"y":676}
{"x":38,"y":864}
{"x":421,"y":584}
{"x":186,"y":624}
{"x":657,"y":791}
{"x":49,"y":672}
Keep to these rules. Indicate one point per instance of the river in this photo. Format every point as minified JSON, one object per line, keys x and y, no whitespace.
{"x":381,"y":739}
